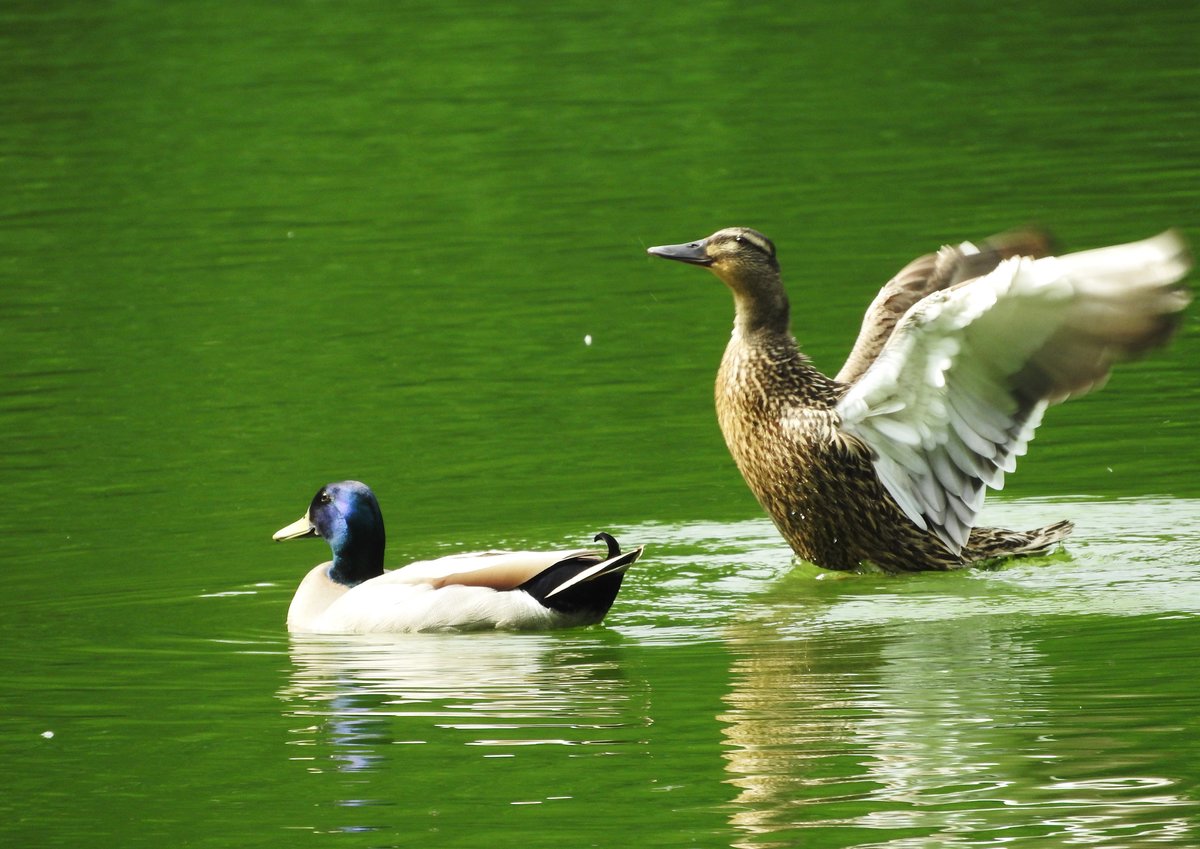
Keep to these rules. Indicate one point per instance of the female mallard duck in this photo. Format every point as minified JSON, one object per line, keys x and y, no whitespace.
{"x":957,"y":360}
{"x":511,"y":590}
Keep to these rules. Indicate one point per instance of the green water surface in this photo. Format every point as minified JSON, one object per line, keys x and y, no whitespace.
{"x":249,"y":248}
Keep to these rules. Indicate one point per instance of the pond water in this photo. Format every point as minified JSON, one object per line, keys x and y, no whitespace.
{"x":249,"y":248}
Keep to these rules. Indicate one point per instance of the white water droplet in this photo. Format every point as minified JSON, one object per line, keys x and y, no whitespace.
{"x":587,"y":339}
{"x":48,"y":734}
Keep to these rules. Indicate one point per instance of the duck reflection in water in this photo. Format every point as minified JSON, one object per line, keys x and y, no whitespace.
{"x":373,"y":707}
{"x":952,"y":728}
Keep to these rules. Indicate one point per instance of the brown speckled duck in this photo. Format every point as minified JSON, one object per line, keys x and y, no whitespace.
{"x":958,"y":357}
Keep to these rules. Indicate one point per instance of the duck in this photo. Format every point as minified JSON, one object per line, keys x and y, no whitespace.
{"x":489,"y":590}
{"x":886,"y":465}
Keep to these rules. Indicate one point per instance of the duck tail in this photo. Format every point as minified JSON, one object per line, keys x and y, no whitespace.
{"x":606,"y":568}
{"x":989,"y":543}
{"x":614,"y":547}
{"x":585,"y":584}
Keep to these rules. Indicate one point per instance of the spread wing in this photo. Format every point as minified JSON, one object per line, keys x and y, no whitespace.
{"x":931,"y":273}
{"x":959,"y":388}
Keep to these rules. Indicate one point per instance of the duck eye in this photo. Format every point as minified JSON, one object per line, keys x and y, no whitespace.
{"x":325,"y":498}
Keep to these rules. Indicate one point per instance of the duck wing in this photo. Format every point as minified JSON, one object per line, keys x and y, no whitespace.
{"x":497,"y":570}
{"x":932,"y":273}
{"x":959,"y":388}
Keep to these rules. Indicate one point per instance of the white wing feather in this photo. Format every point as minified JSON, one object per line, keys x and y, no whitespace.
{"x":959,"y":388}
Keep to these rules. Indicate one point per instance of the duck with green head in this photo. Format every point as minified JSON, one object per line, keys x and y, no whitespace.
{"x":501,"y":590}
{"x":958,"y":357}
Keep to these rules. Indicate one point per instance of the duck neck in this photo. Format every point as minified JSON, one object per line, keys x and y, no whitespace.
{"x":762,"y":340}
{"x":358,"y":560}
{"x":762,"y":311}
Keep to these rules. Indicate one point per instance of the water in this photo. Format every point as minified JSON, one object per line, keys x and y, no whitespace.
{"x":248,"y":249}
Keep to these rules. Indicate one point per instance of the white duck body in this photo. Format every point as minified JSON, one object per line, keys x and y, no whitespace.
{"x":508,"y":590}
{"x":417,"y":597}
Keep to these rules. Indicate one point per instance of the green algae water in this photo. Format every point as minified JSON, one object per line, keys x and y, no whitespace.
{"x":249,"y":248}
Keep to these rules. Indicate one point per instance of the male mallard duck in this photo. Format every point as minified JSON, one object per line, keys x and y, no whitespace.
{"x":957,"y":360}
{"x":507,"y":590}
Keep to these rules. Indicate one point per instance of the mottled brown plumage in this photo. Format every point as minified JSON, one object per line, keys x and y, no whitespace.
{"x":887,"y":464}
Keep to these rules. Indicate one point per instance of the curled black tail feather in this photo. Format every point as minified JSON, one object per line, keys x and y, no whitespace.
{"x":614,"y":548}
{"x":585,"y":585}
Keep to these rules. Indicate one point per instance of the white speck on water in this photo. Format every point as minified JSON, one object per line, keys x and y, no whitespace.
{"x":48,"y":734}
{"x":587,"y":339}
